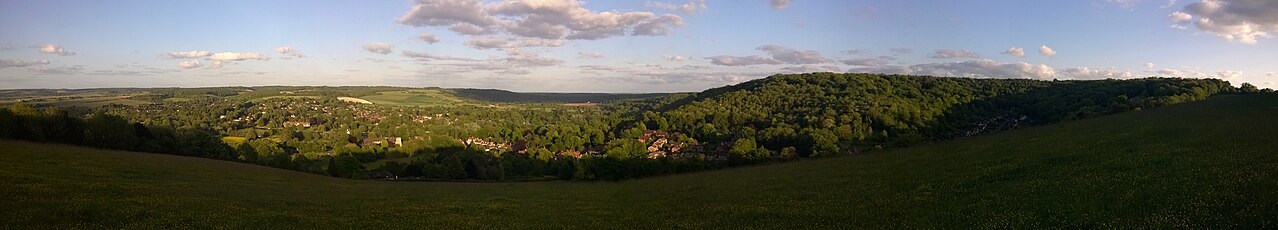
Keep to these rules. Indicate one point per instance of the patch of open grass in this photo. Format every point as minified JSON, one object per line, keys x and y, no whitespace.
{"x":234,"y":141}
{"x":1208,"y":164}
{"x":417,"y":97}
{"x":281,"y":97}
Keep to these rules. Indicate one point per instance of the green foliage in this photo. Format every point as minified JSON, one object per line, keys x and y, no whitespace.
{"x":626,"y":149}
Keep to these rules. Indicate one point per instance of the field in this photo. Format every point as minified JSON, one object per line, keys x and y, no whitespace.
{"x":419,"y":97}
{"x":284,"y":97}
{"x":83,"y":101}
{"x":1208,"y":164}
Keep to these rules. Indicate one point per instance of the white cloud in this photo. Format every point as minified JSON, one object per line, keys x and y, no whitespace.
{"x":492,"y":42}
{"x":792,"y":56}
{"x":1272,"y":74}
{"x":780,"y":4}
{"x":63,"y":70}
{"x":810,"y":69}
{"x":590,"y":55}
{"x":424,"y":55}
{"x":190,"y":64}
{"x":866,"y":62}
{"x":289,"y":52}
{"x":230,"y":56}
{"x":1149,"y":65}
{"x":1170,"y":3}
{"x":1089,"y":73}
{"x":517,"y":57}
{"x":7,"y":63}
{"x":948,"y":53}
{"x":983,"y":68}
{"x":674,"y":58}
{"x":415,"y":54}
{"x":1243,"y":21}
{"x":726,"y":60}
{"x":1180,"y":19}
{"x":428,"y":38}
{"x":1014,"y":51}
{"x":1170,"y":72}
{"x":379,"y":48}
{"x":686,"y":77}
{"x":986,"y":68}
{"x":219,"y":59}
{"x":899,"y":51}
{"x":690,"y":7}
{"x":54,"y":49}
{"x":1228,"y":74}
{"x":1046,"y":51}
{"x":542,"y":19}
{"x":187,"y":54}
{"x":488,"y":43}
{"x":777,"y":55}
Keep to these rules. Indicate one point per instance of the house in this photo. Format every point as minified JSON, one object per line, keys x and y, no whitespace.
{"x":377,"y":141}
{"x":650,"y":135}
{"x":484,"y":144}
{"x":306,"y":124}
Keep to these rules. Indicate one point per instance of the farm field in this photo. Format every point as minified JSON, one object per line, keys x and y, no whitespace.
{"x":418,"y":97}
{"x":1206,"y":164}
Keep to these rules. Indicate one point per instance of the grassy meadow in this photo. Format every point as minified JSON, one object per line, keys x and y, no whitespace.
{"x":418,"y":97}
{"x":1208,"y":164}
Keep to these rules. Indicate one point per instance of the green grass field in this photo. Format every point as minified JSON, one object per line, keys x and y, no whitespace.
{"x":283,"y":97}
{"x":87,"y":100}
{"x":418,"y":97}
{"x":1209,"y":164}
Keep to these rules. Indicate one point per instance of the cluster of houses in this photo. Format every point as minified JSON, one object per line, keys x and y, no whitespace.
{"x":305,"y":124}
{"x":426,"y":118}
{"x":378,"y":141}
{"x":484,"y":144}
{"x":662,"y":145}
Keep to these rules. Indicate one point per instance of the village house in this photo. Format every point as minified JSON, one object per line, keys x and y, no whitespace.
{"x":486,"y":145}
{"x":306,"y":124}
{"x":378,"y":141}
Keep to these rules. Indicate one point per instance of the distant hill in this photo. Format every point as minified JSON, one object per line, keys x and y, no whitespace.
{"x":428,"y":96}
{"x":1206,"y":164}
{"x":496,"y":95}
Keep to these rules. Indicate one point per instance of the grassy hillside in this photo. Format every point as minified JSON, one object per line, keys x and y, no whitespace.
{"x":1203,"y":164}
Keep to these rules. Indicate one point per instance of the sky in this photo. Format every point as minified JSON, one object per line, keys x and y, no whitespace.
{"x":624,"y":46}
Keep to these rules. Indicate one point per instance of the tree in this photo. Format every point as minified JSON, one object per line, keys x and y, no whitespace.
{"x":626,"y":149}
{"x":270,"y":153}
{"x":744,"y":147}
{"x":789,"y":152}
{"x":202,"y":143}
{"x":1248,"y":88}
{"x":246,"y":152}
{"x":820,"y":142}
{"x":344,"y":165}
{"x":109,"y":131}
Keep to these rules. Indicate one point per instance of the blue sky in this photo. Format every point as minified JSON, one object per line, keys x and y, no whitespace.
{"x":622,"y":45}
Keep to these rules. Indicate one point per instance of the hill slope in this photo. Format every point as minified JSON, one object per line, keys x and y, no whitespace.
{"x":1202,"y":164}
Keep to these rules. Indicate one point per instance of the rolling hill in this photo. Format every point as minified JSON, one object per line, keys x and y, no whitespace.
{"x":1207,"y":164}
